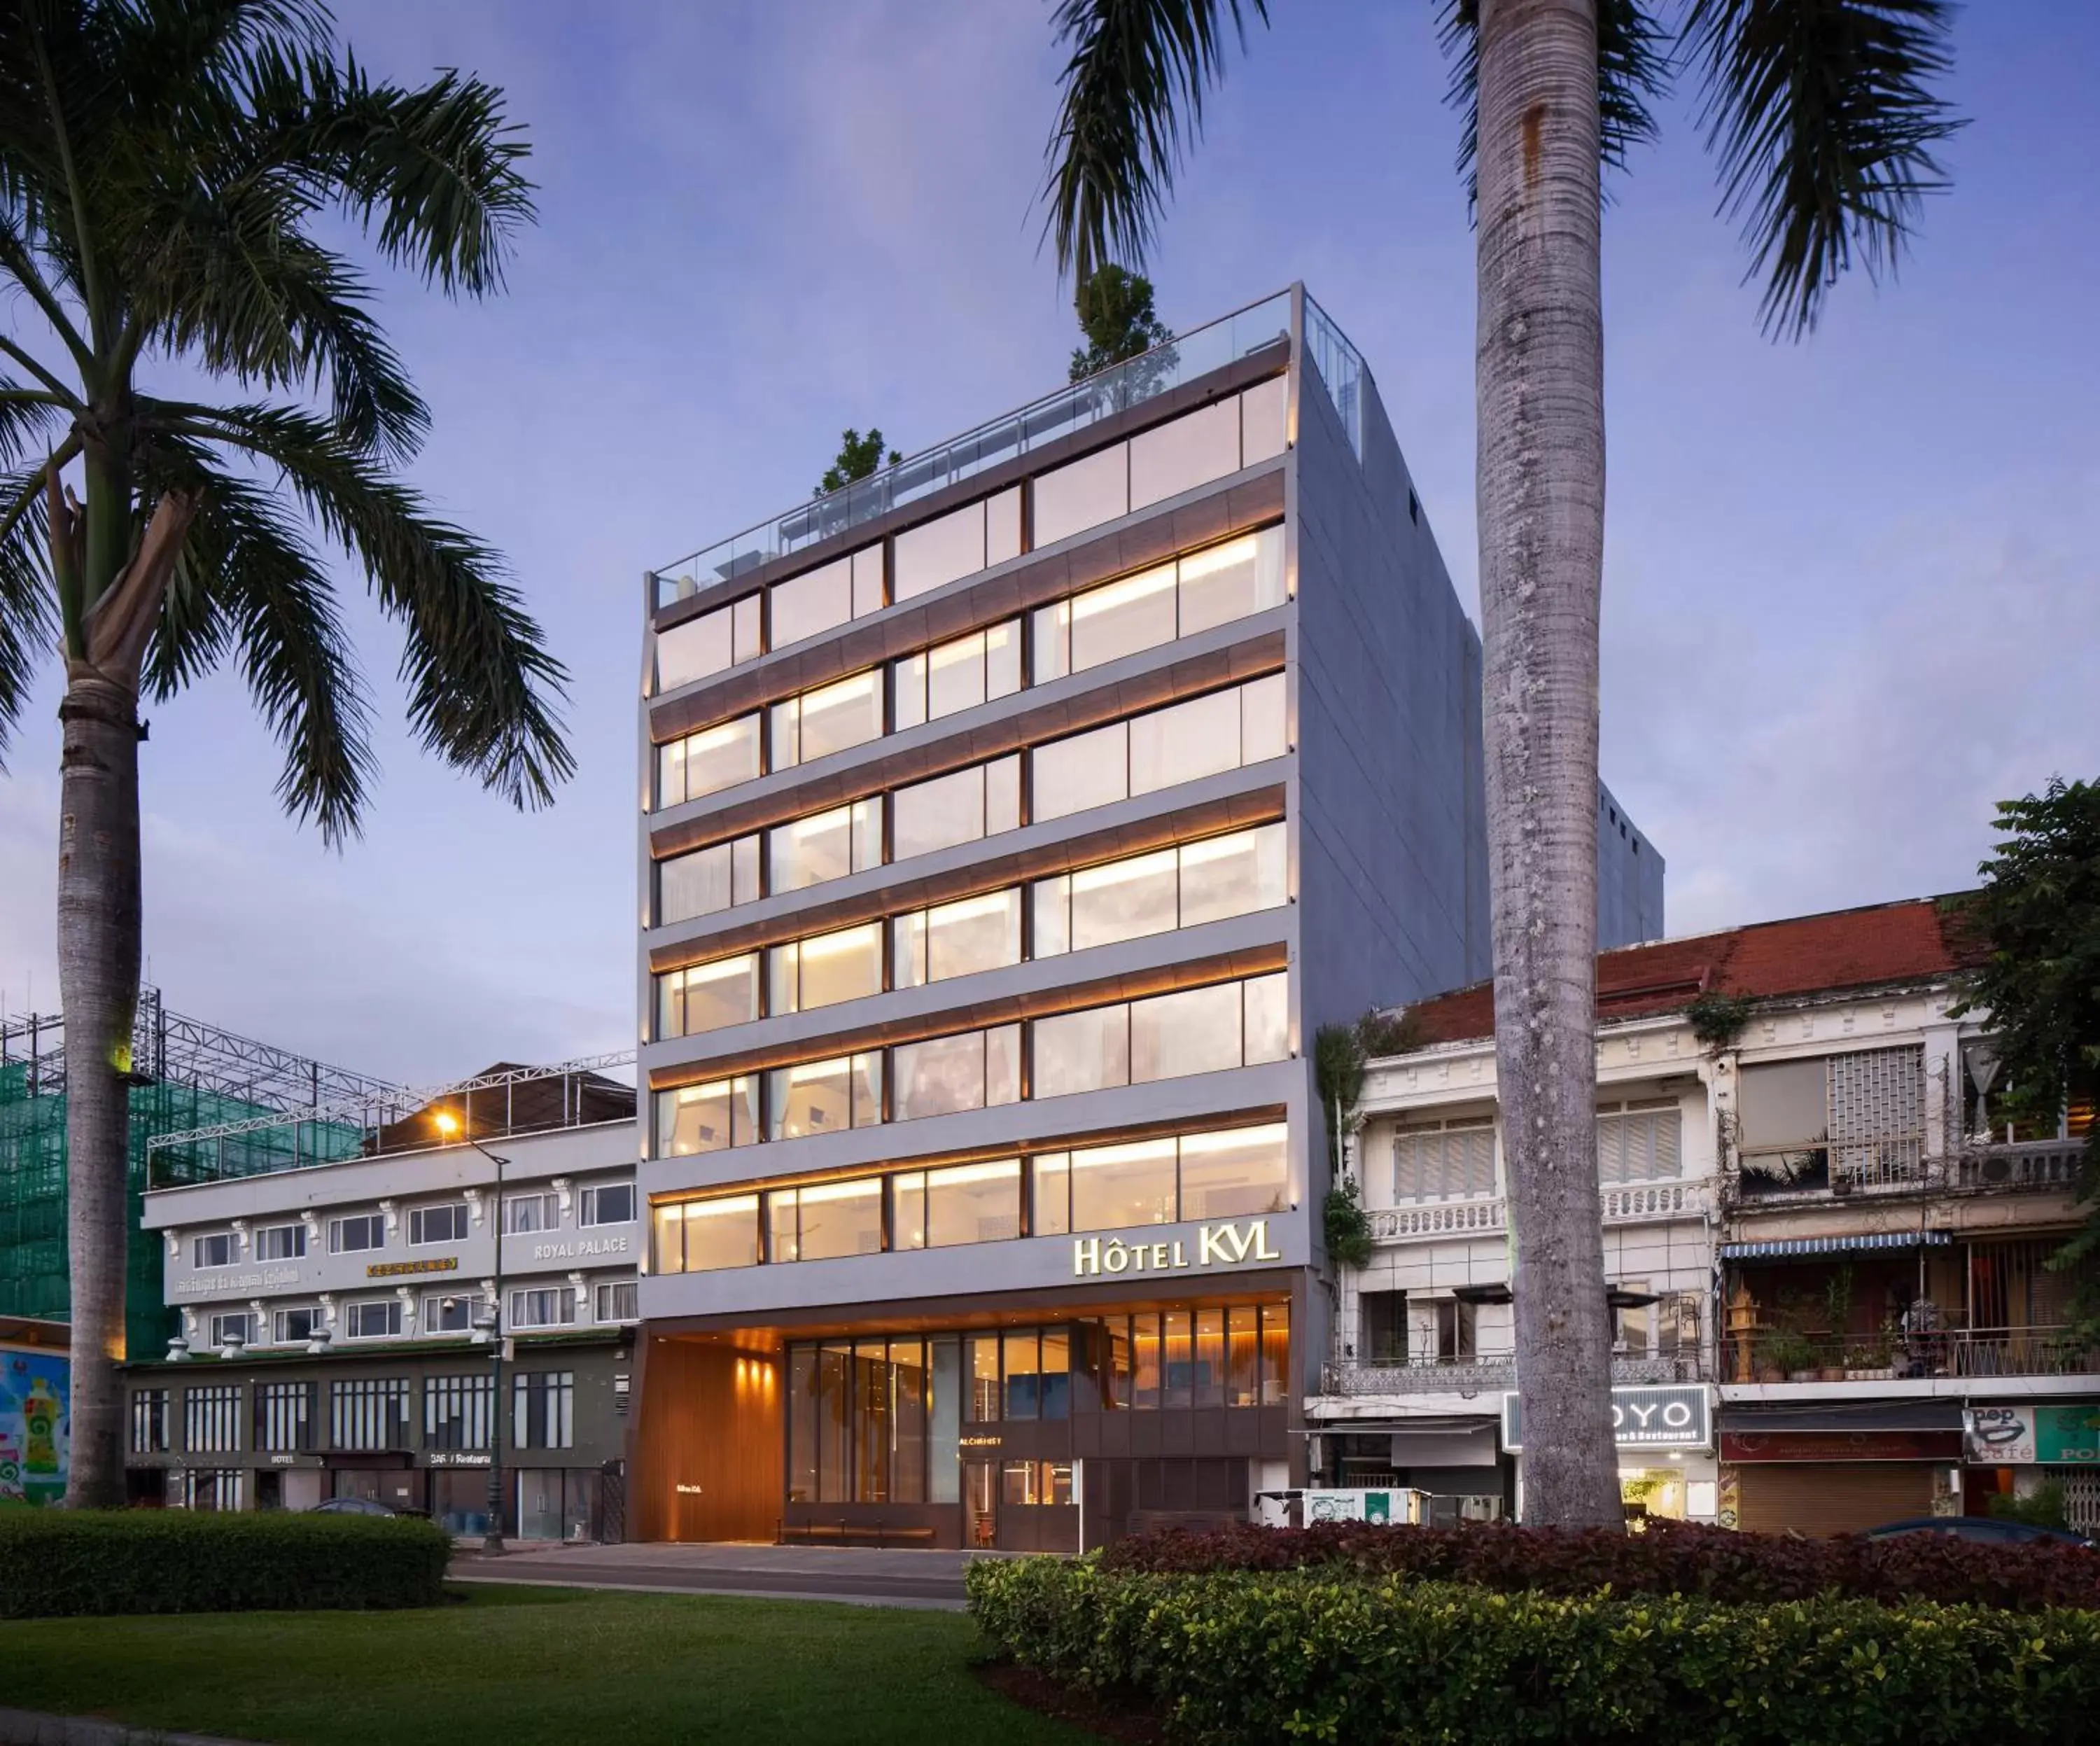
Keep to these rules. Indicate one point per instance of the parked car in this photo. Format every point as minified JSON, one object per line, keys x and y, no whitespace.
{"x":353,"y":1506}
{"x":1986,"y":1530}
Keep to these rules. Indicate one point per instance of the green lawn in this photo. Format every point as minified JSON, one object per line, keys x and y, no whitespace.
{"x":529,"y":1667}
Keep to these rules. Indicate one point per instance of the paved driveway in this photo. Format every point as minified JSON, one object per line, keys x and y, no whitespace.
{"x":872,"y":1576}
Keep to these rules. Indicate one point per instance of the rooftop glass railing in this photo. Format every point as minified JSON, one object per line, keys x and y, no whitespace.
{"x":1182,"y":359}
{"x":1340,"y":367}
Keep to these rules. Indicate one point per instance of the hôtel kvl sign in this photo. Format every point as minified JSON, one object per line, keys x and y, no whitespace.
{"x":1230,"y":1244}
{"x":1667,"y":1417}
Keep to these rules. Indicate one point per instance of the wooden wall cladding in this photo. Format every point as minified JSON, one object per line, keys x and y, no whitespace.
{"x":708,"y":1456}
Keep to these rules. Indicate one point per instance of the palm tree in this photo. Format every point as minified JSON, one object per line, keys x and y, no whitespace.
{"x":166,"y":169}
{"x":1821,"y":118}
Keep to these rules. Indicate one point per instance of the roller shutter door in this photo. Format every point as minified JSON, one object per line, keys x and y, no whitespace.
{"x":1837,"y":1498}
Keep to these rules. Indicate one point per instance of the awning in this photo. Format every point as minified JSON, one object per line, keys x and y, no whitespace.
{"x":1833,"y":1245}
{"x":1846,"y":1416}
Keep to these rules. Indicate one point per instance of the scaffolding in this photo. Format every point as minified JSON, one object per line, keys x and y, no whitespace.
{"x":188,"y":1074}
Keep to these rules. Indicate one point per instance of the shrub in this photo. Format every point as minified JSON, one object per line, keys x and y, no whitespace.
{"x":1669,"y":1557}
{"x":111,"y":1561}
{"x":1327,"y":1655}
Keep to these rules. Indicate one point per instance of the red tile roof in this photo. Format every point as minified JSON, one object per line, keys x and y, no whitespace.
{"x":1883,"y":944}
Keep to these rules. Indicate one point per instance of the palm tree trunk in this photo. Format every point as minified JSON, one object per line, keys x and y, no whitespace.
{"x":1539,"y":378}
{"x":99,"y":947}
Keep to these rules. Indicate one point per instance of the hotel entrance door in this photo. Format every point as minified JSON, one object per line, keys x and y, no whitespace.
{"x":981,"y":1504}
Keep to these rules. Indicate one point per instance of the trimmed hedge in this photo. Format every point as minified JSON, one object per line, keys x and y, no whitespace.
{"x":1667,"y":1558}
{"x":69,"y":1562}
{"x":1313,"y":1654}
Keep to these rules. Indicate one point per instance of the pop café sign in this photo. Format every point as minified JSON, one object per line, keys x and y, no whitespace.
{"x":2024,"y":1436}
{"x":1669,"y":1417}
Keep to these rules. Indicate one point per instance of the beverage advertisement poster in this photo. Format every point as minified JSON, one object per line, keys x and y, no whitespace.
{"x":35,"y":1425}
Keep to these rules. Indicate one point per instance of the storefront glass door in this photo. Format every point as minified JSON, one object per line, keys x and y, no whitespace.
{"x":981,"y":1504}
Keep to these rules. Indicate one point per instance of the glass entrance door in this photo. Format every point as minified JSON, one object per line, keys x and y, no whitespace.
{"x":981,"y":1504}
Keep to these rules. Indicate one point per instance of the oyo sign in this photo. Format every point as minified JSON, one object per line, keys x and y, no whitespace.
{"x":1669,"y":1417}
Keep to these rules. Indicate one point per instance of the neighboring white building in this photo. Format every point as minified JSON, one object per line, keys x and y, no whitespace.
{"x":1833,"y":1304}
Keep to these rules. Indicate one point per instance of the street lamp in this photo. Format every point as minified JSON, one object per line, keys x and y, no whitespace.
{"x":450,"y":1128}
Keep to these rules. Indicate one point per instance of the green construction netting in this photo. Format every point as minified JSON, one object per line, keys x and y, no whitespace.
{"x":33,"y":1186}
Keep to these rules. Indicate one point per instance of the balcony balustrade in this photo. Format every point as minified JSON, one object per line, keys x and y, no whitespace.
{"x":1630,"y":1203}
{"x":1492,"y":1372}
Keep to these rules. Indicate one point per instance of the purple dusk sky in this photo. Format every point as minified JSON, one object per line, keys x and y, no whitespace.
{"x":1851,"y":597}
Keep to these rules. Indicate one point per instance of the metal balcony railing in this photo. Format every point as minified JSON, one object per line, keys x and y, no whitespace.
{"x":1776,"y":1355}
{"x":1490,"y":1371}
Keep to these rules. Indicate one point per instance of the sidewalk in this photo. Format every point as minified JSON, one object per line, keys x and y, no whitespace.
{"x":864,"y":1575}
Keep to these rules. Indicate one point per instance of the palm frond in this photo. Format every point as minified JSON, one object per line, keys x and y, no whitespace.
{"x":484,"y":690}
{"x":1133,"y":88}
{"x":438,"y":167}
{"x":1823,"y":118}
{"x":249,"y":583}
{"x":29,"y":421}
{"x":29,"y":630}
{"x":1632,"y":68}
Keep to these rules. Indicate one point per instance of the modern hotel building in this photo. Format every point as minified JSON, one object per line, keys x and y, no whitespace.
{"x":1010,"y":822}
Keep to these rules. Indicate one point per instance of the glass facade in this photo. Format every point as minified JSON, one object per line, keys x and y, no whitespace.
{"x":1206,"y":1029}
{"x":1195,"y":592}
{"x":1230,"y":1174}
{"x":884,"y":1418}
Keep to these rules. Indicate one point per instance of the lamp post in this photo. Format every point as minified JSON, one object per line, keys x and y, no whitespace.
{"x":450,"y":1127}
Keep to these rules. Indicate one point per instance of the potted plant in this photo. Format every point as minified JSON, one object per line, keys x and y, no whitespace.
{"x":1790,"y":1352}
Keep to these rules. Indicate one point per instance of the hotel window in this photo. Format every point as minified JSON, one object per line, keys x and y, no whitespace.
{"x":544,"y":1306}
{"x":1446,"y":1160}
{"x":1239,"y":1173}
{"x":961,"y":807}
{"x":860,"y":1421}
{"x":1639,"y":1140}
{"x":707,"y":1117}
{"x":284,"y":1418}
{"x":369,"y":1413}
{"x":149,"y":1420}
{"x":707,"y":997}
{"x":831,"y":718}
{"x":978,"y":1070}
{"x":214,"y":1250}
{"x":955,"y":939}
{"x":379,"y":1319}
{"x":289,"y":1327}
{"x":458,"y":1411}
{"x":608,"y":1203}
{"x":1114,"y":1186}
{"x":211,"y":1419}
{"x":824,"y":969}
{"x":965,"y":1203}
{"x":359,"y":1232}
{"x":973,"y":538}
{"x":451,"y":1312}
{"x":1198,"y":882}
{"x":826,"y":1221}
{"x":525,"y":1214}
{"x":224,"y":1330}
{"x":280,"y":1242}
{"x":443,"y":1223}
{"x":617,"y":1300}
{"x":1240,"y":725}
{"x":1179,"y":598}
{"x":824,"y":1097}
{"x":707,"y":762}
{"x":1167,"y":1036}
{"x":543,"y":1408}
{"x":827,"y":846}
{"x":825,"y":597}
{"x":707,"y":880}
{"x":957,"y":675}
{"x":708,"y":644}
{"x":697,"y":1236}
{"x":1211,"y":443}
